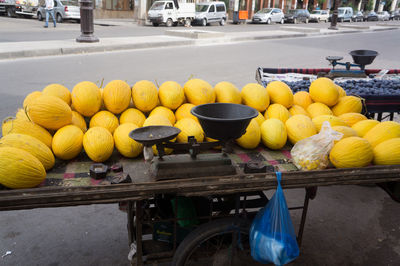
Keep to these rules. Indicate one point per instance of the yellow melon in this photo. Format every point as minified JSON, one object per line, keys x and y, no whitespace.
{"x":21,"y":114}
{"x":299,"y":127}
{"x":297,"y":110}
{"x":132,"y":115}
{"x":280,"y":93}
{"x":117,"y":96}
{"x":28,"y":128}
{"x":383,"y":131}
{"x":157,"y":120}
{"x":67,"y":142}
{"x":31,"y":97}
{"x":347,"y":104}
{"x":20,"y":169}
{"x":346,"y":131}
{"x":161,"y":110}
{"x":260,"y":119}
{"x":31,"y":145}
{"x":277,"y":111}
{"x":317,"y":109}
{"x":323,"y":90}
{"x":387,"y":152}
{"x":188,"y":128}
{"x":256,"y":96}
{"x":59,"y":91}
{"x":86,"y":98}
{"x":144,"y":95}
{"x":351,"y":152}
{"x":226,"y":92}
{"x":363,"y":126}
{"x":303,"y":99}
{"x":127,"y":146}
{"x":198,"y":92}
{"x":79,"y":121}
{"x":333,"y":121}
{"x":273,"y":133}
{"x":351,"y":118}
{"x":184,"y":112}
{"x":50,"y":112}
{"x":98,"y":144}
{"x":252,"y":137}
{"x":104,"y":119}
{"x":341,"y":91}
{"x":171,"y":94}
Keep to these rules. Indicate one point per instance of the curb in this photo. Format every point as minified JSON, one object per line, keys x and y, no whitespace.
{"x":71,"y":47}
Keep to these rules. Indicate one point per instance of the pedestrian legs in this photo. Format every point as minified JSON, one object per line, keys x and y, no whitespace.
{"x":50,"y":12}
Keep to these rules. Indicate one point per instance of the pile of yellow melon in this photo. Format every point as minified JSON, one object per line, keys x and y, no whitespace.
{"x":56,"y":122}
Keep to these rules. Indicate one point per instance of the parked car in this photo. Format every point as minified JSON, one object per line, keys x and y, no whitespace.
{"x":297,"y":15}
{"x":319,"y":15}
{"x":359,"y":16}
{"x":345,"y":14}
{"x":268,"y":15}
{"x":208,"y":12}
{"x":395,"y":15}
{"x":63,"y":9}
{"x":383,"y":15}
{"x":372,"y":16}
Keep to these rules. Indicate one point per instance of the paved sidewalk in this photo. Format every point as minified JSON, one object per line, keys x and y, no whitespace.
{"x":172,"y":37}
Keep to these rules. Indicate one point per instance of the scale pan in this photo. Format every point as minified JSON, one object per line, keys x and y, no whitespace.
{"x":224,"y":121}
{"x":152,"y":135}
{"x":363,"y":57}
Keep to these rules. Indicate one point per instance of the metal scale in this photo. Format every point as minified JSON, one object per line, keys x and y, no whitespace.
{"x":224,"y":122}
{"x":361,"y":58}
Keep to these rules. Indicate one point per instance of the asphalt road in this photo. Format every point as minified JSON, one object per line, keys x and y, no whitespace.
{"x":347,"y":225}
{"x":22,"y":29}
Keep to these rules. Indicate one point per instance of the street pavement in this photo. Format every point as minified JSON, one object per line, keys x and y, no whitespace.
{"x":346,"y":225}
{"x":24,"y":38}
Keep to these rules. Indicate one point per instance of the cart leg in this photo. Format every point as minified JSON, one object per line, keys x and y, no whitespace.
{"x":131,"y":221}
{"x":310,"y":194}
{"x":139,"y":252}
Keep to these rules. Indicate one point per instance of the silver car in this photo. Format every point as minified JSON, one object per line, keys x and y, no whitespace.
{"x":269,"y":15}
{"x":63,"y":9}
{"x":208,"y":12}
{"x":383,"y":15}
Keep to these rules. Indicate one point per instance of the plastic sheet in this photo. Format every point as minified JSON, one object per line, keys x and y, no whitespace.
{"x":272,"y":237}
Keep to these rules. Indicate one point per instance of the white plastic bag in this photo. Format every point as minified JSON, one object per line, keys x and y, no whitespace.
{"x":312,"y":153}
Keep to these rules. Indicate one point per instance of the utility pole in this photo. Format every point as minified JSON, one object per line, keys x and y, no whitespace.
{"x":87,"y":27}
{"x":334,"y":16}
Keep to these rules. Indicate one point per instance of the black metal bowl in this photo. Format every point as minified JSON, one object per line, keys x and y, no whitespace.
{"x":224,"y":121}
{"x":363,"y":57}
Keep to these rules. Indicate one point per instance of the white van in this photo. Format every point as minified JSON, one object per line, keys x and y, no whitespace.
{"x":171,"y":13}
{"x":345,"y":14}
{"x":208,"y":12}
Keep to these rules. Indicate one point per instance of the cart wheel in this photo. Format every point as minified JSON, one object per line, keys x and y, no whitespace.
{"x":220,"y":242}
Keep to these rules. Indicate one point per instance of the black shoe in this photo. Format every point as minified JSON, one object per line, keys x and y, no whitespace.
{"x":45,"y":26}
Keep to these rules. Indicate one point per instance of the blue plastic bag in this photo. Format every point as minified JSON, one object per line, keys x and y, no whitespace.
{"x":272,"y":237}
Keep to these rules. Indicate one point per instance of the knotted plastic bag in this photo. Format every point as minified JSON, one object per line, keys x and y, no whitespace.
{"x":312,"y":153}
{"x":272,"y":237}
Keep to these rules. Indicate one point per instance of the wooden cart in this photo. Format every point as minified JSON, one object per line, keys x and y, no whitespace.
{"x":69,"y":184}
